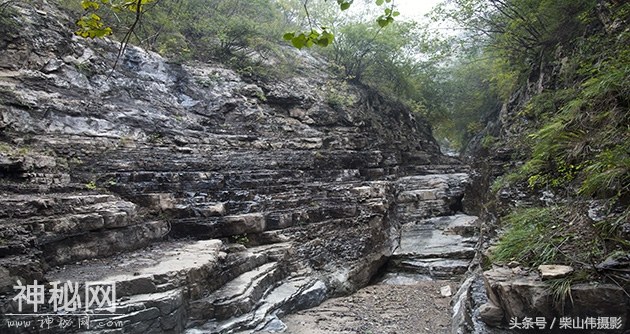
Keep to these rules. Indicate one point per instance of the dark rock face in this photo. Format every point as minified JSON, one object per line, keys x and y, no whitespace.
{"x":95,"y":164}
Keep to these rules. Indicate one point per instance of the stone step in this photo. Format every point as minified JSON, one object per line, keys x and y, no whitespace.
{"x":94,"y":217}
{"x":24,"y":206}
{"x":218,"y":227}
{"x":160,"y":288}
{"x":413,"y":212}
{"x":70,"y":227}
{"x":435,"y":268}
{"x":238,"y":296}
{"x":418,"y":241}
{"x":264,"y":181}
{"x":160,"y":312}
{"x":438,"y":169}
{"x":464,"y":253}
{"x":437,"y":247}
{"x":148,"y":270}
{"x":463,"y":225}
{"x":292,"y":294}
{"x":255,"y":223}
{"x":152,"y":285}
{"x":101,"y":243}
{"x":450,"y":183}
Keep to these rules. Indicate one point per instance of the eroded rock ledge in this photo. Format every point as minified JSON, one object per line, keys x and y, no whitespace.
{"x":215,"y":200}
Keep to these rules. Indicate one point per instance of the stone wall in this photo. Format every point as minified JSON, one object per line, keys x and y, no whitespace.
{"x":95,"y":163}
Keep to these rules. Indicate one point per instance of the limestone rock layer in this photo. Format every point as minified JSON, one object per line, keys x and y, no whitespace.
{"x":209,"y":195}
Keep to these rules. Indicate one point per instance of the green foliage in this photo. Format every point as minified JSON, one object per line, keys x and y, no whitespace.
{"x":322,"y":36}
{"x":561,"y":287}
{"x":240,"y":239}
{"x":91,"y":185}
{"x":388,"y":61}
{"x":314,"y":37}
{"x":338,"y":96}
{"x":608,"y":173}
{"x":488,"y":141}
{"x":533,"y":237}
{"x":573,"y":133}
{"x":519,"y":30}
{"x":582,"y":140}
{"x":472,"y":93}
{"x":91,"y":25}
{"x":229,"y":30}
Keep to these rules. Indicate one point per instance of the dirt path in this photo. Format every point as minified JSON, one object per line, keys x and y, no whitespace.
{"x":379,"y":309}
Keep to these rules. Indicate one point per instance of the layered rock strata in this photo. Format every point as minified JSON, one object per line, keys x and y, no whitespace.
{"x":215,"y":201}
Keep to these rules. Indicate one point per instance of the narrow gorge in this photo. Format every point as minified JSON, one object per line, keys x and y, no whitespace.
{"x":217,"y":201}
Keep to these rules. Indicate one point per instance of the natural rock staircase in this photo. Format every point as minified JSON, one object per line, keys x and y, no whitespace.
{"x":203,"y":285}
{"x":152,"y":189}
{"x":440,"y":247}
{"x":434,"y":248}
{"x":208,"y":285}
{"x":68,"y":227}
{"x":434,"y":242}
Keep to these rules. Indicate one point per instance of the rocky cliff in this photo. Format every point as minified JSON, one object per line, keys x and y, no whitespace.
{"x":555,"y":159}
{"x":200,"y":190}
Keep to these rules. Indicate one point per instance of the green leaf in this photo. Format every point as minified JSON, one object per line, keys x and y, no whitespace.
{"x":382,"y":21}
{"x":396,"y":13}
{"x":344,"y":4}
{"x":90,"y":5}
{"x":325,"y":39}
{"x":299,"y":41}
{"x":288,"y":36}
{"x":379,"y":2}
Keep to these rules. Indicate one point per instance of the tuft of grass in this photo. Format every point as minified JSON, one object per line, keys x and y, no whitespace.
{"x":533,"y":237}
{"x":561,"y":287}
{"x":609,"y":173}
{"x":561,"y":290}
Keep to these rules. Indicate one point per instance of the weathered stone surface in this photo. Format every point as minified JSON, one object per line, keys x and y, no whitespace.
{"x":551,"y":271}
{"x":436,"y":247}
{"x":426,"y":196}
{"x":133,"y":177}
{"x":520,"y":295}
{"x":491,"y":314}
{"x":462,"y":303}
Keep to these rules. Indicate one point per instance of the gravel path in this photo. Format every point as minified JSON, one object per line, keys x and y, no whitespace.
{"x":379,"y":309}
